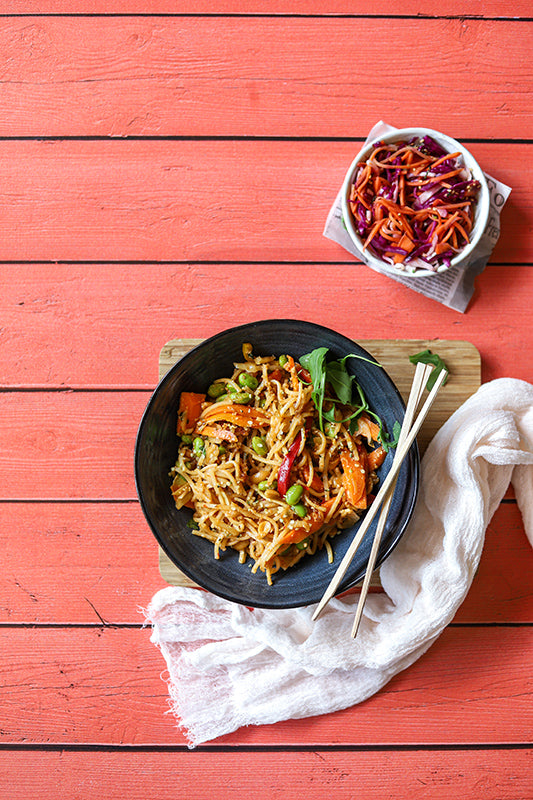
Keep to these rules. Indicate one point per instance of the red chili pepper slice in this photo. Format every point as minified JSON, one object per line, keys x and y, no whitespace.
{"x":284,"y":472}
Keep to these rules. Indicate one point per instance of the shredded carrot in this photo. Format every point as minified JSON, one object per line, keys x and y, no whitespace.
{"x":217,"y":432}
{"x":375,"y":458}
{"x":409,"y":199}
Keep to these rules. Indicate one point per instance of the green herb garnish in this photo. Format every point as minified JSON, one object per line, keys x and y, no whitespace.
{"x":343,"y":384}
{"x":427,"y":357}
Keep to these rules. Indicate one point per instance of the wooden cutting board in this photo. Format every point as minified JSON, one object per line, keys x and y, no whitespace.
{"x":462,"y":359}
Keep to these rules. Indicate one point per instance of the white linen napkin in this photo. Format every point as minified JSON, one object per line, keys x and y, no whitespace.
{"x":230,"y":666}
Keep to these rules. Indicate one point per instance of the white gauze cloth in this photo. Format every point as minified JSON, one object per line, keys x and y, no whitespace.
{"x":230,"y":666}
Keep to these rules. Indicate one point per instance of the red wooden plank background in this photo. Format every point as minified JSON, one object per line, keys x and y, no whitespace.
{"x":96,"y":329}
{"x":166,"y":171}
{"x":200,"y":200}
{"x":434,"y":773}
{"x":92,"y":76}
{"x":87,"y":563}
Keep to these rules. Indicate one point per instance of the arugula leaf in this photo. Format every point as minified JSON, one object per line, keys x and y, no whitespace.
{"x":336,"y":374}
{"x":427,"y":357}
{"x":314,"y":363}
{"x":341,"y":381}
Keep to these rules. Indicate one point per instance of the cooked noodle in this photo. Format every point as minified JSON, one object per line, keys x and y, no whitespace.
{"x":236,"y":444}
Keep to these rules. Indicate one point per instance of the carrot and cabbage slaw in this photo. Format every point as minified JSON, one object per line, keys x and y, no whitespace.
{"x":413,"y":204}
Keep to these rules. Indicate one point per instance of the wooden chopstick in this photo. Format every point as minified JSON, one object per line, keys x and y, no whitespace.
{"x":387,"y":483}
{"x":413,"y":402}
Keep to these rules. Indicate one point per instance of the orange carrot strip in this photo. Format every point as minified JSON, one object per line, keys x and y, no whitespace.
{"x":316,"y":484}
{"x":244,"y":416}
{"x":315,"y":520}
{"x":376,"y":458}
{"x":373,"y":232}
{"x":189,"y":410}
{"x":367,"y":428}
{"x":353,"y":479}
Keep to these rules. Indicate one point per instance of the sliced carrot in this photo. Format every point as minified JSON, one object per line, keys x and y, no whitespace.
{"x":315,"y":520}
{"x":244,"y":416}
{"x":316,"y":484}
{"x":375,"y":458}
{"x":190,"y":408}
{"x":353,"y":479}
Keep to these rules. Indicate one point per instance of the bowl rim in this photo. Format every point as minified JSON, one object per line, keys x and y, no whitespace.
{"x":482,"y":208}
{"x":413,"y":460}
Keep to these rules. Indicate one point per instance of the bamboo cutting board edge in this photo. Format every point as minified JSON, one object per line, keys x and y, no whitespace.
{"x":462,"y":358}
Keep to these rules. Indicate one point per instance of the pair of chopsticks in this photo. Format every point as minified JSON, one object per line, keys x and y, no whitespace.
{"x":383,"y":498}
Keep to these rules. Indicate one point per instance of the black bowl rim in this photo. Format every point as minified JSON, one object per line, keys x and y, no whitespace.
{"x":414,"y":454}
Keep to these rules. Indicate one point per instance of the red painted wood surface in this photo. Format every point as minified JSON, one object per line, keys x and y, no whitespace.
{"x":95,"y":328}
{"x":166,"y":171}
{"x":202,"y":200}
{"x":485,"y":9}
{"x":93,"y":76}
{"x":103,"y":685}
{"x":86,"y":563}
{"x":317,"y":774}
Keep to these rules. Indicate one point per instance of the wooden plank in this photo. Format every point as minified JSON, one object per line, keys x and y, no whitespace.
{"x":103,"y":325}
{"x":103,"y":686}
{"x":81,"y":563}
{"x":146,"y":75}
{"x":476,"y":8}
{"x":76,"y":563}
{"x":69,"y":444}
{"x":199,"y":200}
{"x":439,"y":774}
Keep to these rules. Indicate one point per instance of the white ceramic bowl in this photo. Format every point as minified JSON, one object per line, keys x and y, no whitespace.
{"x":481,"y":213}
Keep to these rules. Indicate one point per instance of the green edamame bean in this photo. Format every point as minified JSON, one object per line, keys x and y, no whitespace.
{"x":216,"y":390}
{"x":293,"y":494}
{"x":260,"y":446}
{"x":222,"y":397}
{"x":248,"y":381}
{"x":242,"y":398}
{"x":330,"y":429}
{"x":186,"y":438}
{"x":198,"y":445}
{"x":282,"y":360}
{"x":300,"y":509}
{"x":263,"y":486}
{"x":193,"y":524}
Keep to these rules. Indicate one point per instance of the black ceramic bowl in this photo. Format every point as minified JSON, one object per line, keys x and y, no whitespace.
{"x":156,"y":450}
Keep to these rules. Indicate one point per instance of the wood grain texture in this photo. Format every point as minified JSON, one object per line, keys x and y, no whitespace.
{"x":201,"y":200}
{"x":102,"y":685}
{"x":83,"y":563}
{"x":104,"y":325}
{"x":76,"y":563}
{"x":247,"y":76}
{"x":482,"y":8}
{"x":439,"y":774}
{"x":69,"y":444}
